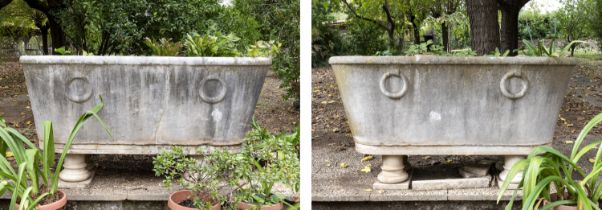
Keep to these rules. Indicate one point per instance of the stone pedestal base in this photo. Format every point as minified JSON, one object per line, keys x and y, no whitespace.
{"x":393,"y":169}
{"x":82,"y":184}
{"x":509,"y":161}
{"x":76,"y":172}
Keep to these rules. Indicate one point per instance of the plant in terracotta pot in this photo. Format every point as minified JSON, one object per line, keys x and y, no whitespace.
{"x":265,"y":161}
{"x":553,"y":180}
{"x":31,"y":174}
{"x":198,"y":177}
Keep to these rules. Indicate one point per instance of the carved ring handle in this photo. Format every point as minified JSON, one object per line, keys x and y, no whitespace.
{"x":78,"y":96}
{"x":393,"y":95}
{"x":504,"y":87}
{"x":212,"y":99}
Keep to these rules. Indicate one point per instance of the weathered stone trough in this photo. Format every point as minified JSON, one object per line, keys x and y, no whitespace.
{"x":430,"y":105}
{"x":150,"y":102}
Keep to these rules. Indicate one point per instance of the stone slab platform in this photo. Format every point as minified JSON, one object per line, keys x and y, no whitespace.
{"x":332,"y":183}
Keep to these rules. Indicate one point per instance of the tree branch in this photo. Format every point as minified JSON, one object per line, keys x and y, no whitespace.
{"x":362,"y":17}
{"x":387,"y":9}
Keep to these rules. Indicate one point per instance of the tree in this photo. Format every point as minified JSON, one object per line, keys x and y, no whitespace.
{"x":597,"y":20}
{"x":383,"y":15}
{"x":484,"y":29}
{"x":574,"y":22}
{"x":445,"y":12}
{"x":50,"y":8}
{"x":279,"y":21}
{"x":509,"y":29}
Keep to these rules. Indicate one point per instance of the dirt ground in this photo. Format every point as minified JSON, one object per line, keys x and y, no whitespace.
{"x":583,"y":101}
{"x":272,"y":111}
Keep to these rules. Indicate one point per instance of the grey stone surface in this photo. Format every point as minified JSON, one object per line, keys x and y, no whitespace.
{"x":107,"y":205}
{"x":413,"y":205}
{"x":399,"y":186}
{"x":457,"y":183}
{"x":332,"y":184}
{"x":451,"y":105}
{"x":149,"y":101}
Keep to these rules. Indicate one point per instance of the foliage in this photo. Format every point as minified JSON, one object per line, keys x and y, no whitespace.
{"x":202,"y":178}
{"x":33,"y":164}
{"x":265,"y":160}
{"x":263,"y":49}
{"x":63,"y":51}
{"x":279,"y":21}
{"x":573,"y":17}
{"x":326,"y":38}
{"x":119,"y":27}
{"x":498,"y":53}
{"x":211,"y":45}
{"x":363,"y":38}
{"x":596,"y":20}
{"x":424,"y":48}
{"x":546,"y":167}
{"x":540,"y":49}
{"x":534,"y":25}
{"x":163,"y":47}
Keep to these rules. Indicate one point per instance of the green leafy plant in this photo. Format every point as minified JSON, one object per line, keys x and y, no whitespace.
{"x":211,"y":45}
{"x":540,"y":49}
{"x":264,"y":161}
{"x":424,"y":48}
{"x":268,"y":159}
{"x":546,"y":168}
{"x":33,"y":178}
{"x":199,"y":176}
{"x":463,"y":52}
{"x":163,"y":47}
{"x":498,"y":53}
{"x":263,"y":49}
{"x":63,"y":51}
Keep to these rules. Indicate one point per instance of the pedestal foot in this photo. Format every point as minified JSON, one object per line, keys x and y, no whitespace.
{"x":509,"y":161}
{"x":393,"y":169}
{"x":75,"y":172}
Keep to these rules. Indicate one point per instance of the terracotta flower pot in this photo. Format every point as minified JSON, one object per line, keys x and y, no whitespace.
{"x":177,"y":197}
{"x":244,"y":205}
{"x":59,"y":204}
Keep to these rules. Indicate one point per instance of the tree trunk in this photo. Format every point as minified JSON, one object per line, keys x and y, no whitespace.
{"x":416,"y":33}
{"x":415,"y":28}
{"x":445,"y":37}
{"x":509,"y":30}
{"x":56,"y":33}
{"x":44,"y":32}
{"x":484,"y":29}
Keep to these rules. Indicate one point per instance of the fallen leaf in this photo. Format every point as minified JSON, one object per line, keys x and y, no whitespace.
{"x":591,"y":160}
{"x":9,"y":154}
{"x":569,"y":142}
{"x":344,"y":165}
{"x":367,"y":168}
{"x":368,"y":190}
{"x":367,"y":158}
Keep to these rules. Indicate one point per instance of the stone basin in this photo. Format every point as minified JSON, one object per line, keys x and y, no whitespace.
{"x":433,"y":105}
{"x":151,"y":103}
